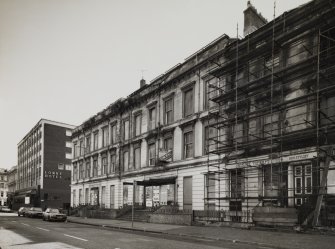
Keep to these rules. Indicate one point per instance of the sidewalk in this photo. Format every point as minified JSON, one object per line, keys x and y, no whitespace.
{"x":280,"y":240}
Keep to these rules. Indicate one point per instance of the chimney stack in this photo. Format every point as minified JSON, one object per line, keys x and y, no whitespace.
{"x":252,"y":19}
{"x":142,"y":83}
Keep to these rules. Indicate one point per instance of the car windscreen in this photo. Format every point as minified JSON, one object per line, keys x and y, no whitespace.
{"x":56,"y":211}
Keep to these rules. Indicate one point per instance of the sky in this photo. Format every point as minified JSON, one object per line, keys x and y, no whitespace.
{"x":66,"y":60}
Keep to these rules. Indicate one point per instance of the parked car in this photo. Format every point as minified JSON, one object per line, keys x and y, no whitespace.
{"x":34,"y":212}
{"x":5,"y":209}
{"x":22,"y":211}
{"x":51,"y":214}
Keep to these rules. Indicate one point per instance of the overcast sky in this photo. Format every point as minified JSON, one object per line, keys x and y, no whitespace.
{"x":65,"y":60}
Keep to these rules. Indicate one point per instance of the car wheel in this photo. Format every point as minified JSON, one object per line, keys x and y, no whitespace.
{"x":18,"y":215}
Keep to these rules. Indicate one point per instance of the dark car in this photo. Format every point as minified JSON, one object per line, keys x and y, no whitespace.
{"x":34,"y":212}
{"x":51,"y":214}
{"x":22,"y":211}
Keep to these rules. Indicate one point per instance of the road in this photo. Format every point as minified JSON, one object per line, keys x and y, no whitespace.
{"x":20,"y":232}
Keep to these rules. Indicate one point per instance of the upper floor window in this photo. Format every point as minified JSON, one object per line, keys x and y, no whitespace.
{"x":126,"y":129}
{"x":152,"y":153}
{"x":126,"y":160}
{"x":168,"y":110}
{"x":95,"y":140}
{"x":137,"y":156}
{"x":113,"y":133}
{"x":81,"y":170}
{"x":188,"y":103}
{"x":152,"y":118}
{"x":113,"y":162}
{"x":188,"y":142}
{"x":104,"y":165}
{"x":75,"y":170}
{"x":95,"y":167}
{"x":211,"y":137}
{"x":88,"y":168}
{"x":75,"y":150}
{"x":105,"y":136}
{"x":81,"y":147}
{"x":88,"y":144}
{"x":137,"y":124}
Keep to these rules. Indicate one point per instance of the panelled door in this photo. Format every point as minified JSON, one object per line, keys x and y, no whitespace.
{"x":187,"y":193}
{"x":303,"y":183}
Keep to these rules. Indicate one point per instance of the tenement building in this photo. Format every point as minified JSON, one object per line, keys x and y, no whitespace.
{"x":3,"y":187}
{"x":12,"y":179}
{"x":44,"y":166}
{"x":241,"y":131}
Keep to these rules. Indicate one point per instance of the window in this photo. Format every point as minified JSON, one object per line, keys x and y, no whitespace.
{"x":168,"y":110}
{"x":113,"y":162}
{"x":81,"y":147}
{"x":236,"y":183}
{"x":188,"y":105}
{"x":74,"y":172}
{"x":80,"y":196}
{"x":270,"y":127}
{"x":137,"y":124}
{"x":75,"y":150}
{"x":125,"y":129}
{"x":74,"y":197}
{"x":213,"y":89}
{"x":88,"y":144}
{"x":104,"y":165}
{"x":271,"y":180}
{"x":168,"y":143}
{"x":96,"y":140}
{"x":95,"y":167}
{"x":1,"y":194}
{"x":88,"y":168}
{"x":105,"y":136}
{"x":210,"y":137}
{"x":87,"y":200}
{"x":137,"y":157}
{"x":152,"y":118}
{"x":237,"y":132}
{"x":125,"y":160}
{"x":188,"y":143}
{"x":113,"y":133}
{"x":103,"y":196}
{"x":210,"y":191}
{"x":152,"y":154}
{"x":81,"y":170}
{"x":112,"y":196}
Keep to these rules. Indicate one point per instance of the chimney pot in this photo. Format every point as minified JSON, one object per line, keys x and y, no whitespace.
{"x":142,"y":83}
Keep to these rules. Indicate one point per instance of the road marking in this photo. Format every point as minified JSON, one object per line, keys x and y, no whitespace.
{"x":13,"y":220}
{"x":25,"y":224}
{"x":43,"y":229}
{"x":75,"y":237}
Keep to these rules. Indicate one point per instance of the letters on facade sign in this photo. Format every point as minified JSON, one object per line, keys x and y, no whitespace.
{"x":52,"y":174}
{"x":165,"y":155}
{"x":290,"y":158}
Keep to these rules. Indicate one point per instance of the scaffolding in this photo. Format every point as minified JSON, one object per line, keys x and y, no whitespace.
{"x":274,"y":97}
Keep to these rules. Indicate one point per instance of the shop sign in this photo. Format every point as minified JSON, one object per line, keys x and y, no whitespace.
{"x":52,"y":174}
{"x":27,"y":200}
{"x":291,"y":158}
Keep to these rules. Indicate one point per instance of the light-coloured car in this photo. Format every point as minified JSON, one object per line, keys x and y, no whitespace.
{"x":5,"y":209}
{"x":51,"y":214}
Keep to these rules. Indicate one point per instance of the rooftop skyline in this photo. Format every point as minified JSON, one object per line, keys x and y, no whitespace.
{"x":66,"y":60}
